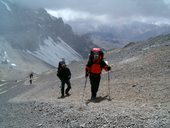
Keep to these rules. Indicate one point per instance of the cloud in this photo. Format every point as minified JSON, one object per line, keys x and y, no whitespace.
{"x":106,"y":11}
{"x":72,"y":15}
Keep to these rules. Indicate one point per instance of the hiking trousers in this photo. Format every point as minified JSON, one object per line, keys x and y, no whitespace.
{"x":63,"y":82}
{"x":94,"y":81}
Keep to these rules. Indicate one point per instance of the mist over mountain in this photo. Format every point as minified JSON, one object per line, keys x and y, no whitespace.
{"x":40,"y":34}
{"x":118,"y":35}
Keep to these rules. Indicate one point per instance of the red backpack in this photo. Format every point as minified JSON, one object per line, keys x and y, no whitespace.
{"x":96,"y":55}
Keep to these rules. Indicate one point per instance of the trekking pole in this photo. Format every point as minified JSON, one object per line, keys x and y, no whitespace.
{"x":84,"y":88}
{"x":109,"y":84}
{"x":108,"y":78}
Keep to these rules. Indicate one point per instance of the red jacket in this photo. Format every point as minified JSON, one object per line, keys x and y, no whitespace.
{"x":96,"y":67}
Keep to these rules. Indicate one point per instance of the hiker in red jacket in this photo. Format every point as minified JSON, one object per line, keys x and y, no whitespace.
{"x":94,"y":68}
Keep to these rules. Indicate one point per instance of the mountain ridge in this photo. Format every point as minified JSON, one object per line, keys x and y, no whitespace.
{"x":26,"y":28}
{"x":35,"y":32}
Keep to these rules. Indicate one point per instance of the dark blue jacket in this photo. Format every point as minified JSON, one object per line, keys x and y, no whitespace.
{"x":64,"y":73}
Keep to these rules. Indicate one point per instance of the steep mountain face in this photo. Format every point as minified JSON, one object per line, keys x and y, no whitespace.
{"x":29,"y":29}
{"x":54,"y":51}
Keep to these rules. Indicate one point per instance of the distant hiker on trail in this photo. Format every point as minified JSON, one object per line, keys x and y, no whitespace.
{"x":64,"y":75}
{"x":94,"y":68}
{"x":31,"y":77}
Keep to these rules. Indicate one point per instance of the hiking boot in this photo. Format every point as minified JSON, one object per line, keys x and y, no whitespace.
{"x":62,"y":96}
{"x":68,"y":94}
{"x":93,"y":98}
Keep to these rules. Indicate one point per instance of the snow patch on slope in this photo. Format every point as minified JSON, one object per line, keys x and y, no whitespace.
{"x":5,"y":53}
{"x":51,"y":52}
{"x":6,"y":5}
{"x":14,"y":61}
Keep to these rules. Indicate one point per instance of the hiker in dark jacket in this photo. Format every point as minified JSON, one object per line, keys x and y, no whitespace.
{"x":64,"y":75}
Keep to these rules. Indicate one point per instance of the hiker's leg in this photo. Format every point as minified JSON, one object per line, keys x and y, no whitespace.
{"x":62,"y":88}
{"x":68,"y":86}
{"x":30,"y":81}
{"x":97,"y":82}
{"x":94,"y":81}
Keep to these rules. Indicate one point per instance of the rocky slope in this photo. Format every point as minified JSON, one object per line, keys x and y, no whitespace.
{"x":139,"y":91}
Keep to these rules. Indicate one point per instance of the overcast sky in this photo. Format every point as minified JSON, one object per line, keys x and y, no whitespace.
{"x":106,"y":11}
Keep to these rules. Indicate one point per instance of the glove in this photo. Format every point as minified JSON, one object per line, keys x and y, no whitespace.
{"x":108,"y":68}
{"x":69,"y":77}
